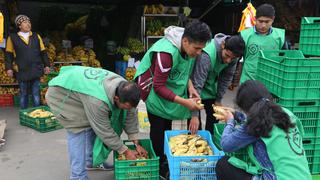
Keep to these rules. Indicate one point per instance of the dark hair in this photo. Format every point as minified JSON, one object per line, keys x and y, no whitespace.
{"x":197,"y":32}
{"x":254,"y":98}
{"x":235,"y":44}
{"x":266,"y":10}
{"x":128,"y":92}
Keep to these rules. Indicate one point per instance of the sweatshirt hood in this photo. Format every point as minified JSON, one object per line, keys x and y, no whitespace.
{"x":110,"y":85}
{"x":174,"y":35}
{"x":218,"y":39}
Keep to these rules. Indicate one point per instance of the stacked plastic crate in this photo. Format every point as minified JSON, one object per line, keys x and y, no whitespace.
{"x":294,"y":80}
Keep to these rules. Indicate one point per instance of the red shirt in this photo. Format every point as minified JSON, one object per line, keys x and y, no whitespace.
{"x":157,"y":74}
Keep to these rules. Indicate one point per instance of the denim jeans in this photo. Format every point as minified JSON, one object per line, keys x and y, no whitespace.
{"x":80,"y":147}
{"x":25,"y":88}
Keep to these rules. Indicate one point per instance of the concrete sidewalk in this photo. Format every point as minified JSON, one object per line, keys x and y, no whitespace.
{"x":31,"y":155}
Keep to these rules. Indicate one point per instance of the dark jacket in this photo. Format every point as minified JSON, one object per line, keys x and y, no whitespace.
{"x":29,"y":57}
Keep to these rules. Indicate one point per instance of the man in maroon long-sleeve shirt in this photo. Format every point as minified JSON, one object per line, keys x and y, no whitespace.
{"x":163,"y":77}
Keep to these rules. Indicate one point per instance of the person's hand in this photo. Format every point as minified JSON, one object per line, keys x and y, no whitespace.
{"x":10,"y":73}
{"x":225,"y":114}
{"x":130,"y":155}
{"x":142,"y":152}
{"x":192,"y":104}
{"x":193,"y":92}
{"x":46,"y":70}
{"x":194,"y":125}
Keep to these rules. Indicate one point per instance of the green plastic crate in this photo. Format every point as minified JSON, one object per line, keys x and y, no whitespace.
{"x":313,"y":157}
{"x":40,"y":124}
{"x":316,"y":177}
{"x":298,"y":104}
{"x":218,"y":130}
{"x":288,"y":74}
{"x":128,"y":169}
{"x":16,"y":101}
{"x":310,"y":36}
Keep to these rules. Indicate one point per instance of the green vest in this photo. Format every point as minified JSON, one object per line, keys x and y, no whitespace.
{"x":89,"y":81}
{"x":177,"y":81}
{"x":285,"y":151}
{"x":255,"y":43}
{"x":209,"y":90}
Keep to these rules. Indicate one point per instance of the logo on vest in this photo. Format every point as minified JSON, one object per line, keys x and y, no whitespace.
{"x":93,"y":73}
{"x":295,"y":142}
{"x":174,"y":75}
{"x":253,"y":49}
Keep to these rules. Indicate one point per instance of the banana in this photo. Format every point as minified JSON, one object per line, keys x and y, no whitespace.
{"x":218,"y":116}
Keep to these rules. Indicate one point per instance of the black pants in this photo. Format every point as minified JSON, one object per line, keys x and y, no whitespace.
{"x":226,"y":171}
{"x":210,"y":120}
{"x":157,"y":127}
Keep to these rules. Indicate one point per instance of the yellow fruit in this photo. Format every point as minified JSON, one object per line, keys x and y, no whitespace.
{"x":126,"y":57}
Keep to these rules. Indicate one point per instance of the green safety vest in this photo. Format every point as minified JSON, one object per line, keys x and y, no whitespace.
{"x":209,"y":90}
{"x":89,"y":81}
{"x":255,"y":43}
{"x":177,"y":81}
{"x":285,"y":151}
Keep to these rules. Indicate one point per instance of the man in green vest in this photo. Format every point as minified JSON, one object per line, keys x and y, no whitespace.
{"x":90,"y":101}
{"x":163,"y":77}
{"x":260,"y":37}
{"x":213,"y":73}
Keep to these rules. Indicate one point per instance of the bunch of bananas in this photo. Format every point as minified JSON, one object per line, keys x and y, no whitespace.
{"x":153,"y":9}
{"x":221,"y":111}
{"x":51,"y":50}
{"x":135,"y":45}
{"x":40,"y":113}
{"x":4,"y":78}
{"x":5,"y":90}
{"x":189,"y":145}
{"x":42,"y":95}
{"x":62,"y":56}
{"x":78,"y":25}
{"x":88,"y":57}
{"x":139,"y":157}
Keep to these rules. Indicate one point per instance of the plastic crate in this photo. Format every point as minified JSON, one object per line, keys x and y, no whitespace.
{"x":184,"y":167}
{"x":240,"y":154}
{"x":316,"y":177}
{"x":313,"y":157}
{"x":6,"y":100}
{"x":40,"y":124}
{"x":298,"y":104}
{"x":16,"y":101}
{"x":128,"y":169}
{"x":288,"y":74}
{"x":310,"y":36}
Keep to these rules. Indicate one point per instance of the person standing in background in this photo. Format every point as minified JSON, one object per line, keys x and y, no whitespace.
{"x":260,"y":37}
{"x":27,"y":50}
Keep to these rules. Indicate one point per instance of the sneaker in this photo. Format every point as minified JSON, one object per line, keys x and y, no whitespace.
{"x":101,"y":167}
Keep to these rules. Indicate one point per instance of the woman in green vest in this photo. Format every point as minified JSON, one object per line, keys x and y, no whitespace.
{"x":271,"y":135}
{"x":92,"y":102}
{"x":163,"y":77}
{"x":260,"y":37}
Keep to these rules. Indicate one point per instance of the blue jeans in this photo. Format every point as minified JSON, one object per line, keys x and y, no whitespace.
{"x":80,"y":147}
{"x":25,"y":87}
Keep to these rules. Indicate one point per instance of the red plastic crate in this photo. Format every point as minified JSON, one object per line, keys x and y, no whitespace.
{"x":6,"y":100}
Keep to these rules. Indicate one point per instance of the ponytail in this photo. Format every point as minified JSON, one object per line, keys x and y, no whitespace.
{"x":263,"y":115}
